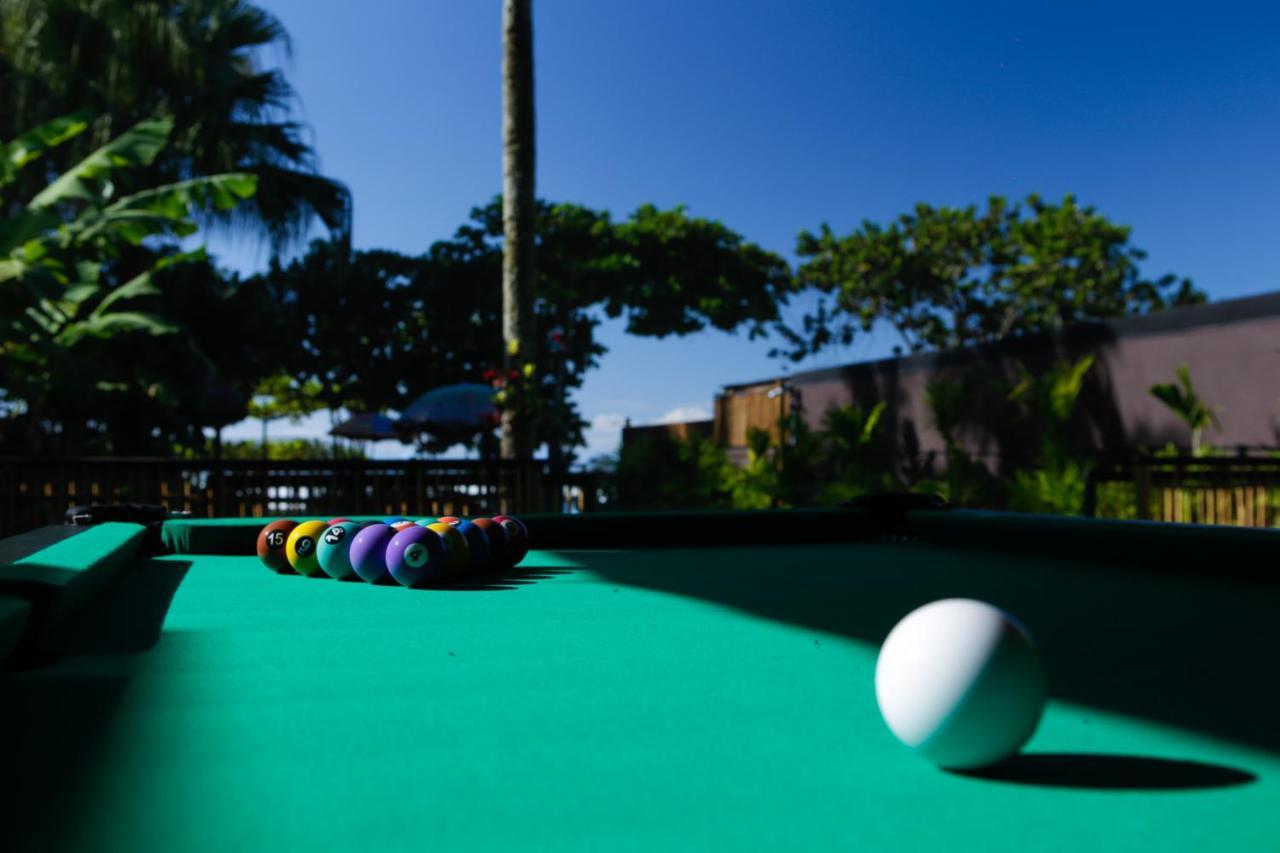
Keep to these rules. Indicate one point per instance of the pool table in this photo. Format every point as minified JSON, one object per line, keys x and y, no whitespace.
{"x":642,"y":682}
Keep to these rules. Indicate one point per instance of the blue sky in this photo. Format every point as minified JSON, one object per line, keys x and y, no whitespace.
{"x":778,"y":116}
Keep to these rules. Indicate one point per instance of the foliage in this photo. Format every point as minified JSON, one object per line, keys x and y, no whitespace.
{"x":810,"y":468}
{"x":1047,"y":402}
{"x":80,"y":285}
{"x":376,"y":329}
{"x":655,"y":472}
{"x":1057,"y":489}
{"x":291,"y":449}
{"x":279,"y":396}
{"x":954,"y":407}
{"x":199,"y":61}
{"x":1184,"y":401}
{"x":948,"y":277}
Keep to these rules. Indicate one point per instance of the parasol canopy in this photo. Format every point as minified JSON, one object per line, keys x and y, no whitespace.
{"x":368,"y":427}
{"x":452,"y":408}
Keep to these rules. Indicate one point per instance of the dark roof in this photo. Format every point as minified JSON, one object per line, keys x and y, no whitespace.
{"x":1228,"y":311}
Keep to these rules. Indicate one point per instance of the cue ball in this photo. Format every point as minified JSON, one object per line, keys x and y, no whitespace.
{"x":300,"y":547}
{"x":271,"y":542}
{"x":960,"y":682}
{"x":333,"y":551}
{"x":518,"y":534}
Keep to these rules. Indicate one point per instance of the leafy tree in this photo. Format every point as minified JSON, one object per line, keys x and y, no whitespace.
{"x":376,"y":329}
{"x":1184,"y":401}
{"x":280,"y":396}
{"x":291,"y":449}
{"x":948,"y":277}
{"x":198,"y":61}
{"x":657,"y":473}
{"x":65,"y":302}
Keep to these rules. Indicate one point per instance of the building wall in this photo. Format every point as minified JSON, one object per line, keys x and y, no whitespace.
{"x":1232,"y":348}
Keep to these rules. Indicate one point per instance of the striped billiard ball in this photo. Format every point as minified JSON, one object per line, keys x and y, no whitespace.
{"x":300,"y":547}
{"x":518,"y":534}
{"x":271,"y":542}
{"x":457,"y":552}
{"x":333,"y":551}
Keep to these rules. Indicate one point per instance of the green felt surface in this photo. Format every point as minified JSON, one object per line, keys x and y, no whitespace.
{"x":655,"y":699}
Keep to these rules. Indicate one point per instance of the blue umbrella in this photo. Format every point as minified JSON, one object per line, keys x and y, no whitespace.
{"x":466,"y":407}
{"x":368,"y":427}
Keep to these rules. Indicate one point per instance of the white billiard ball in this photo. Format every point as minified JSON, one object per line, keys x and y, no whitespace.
{"x":960,"y":682}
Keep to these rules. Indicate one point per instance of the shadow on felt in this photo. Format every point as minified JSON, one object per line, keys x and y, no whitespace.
{"x":1110,"y":772}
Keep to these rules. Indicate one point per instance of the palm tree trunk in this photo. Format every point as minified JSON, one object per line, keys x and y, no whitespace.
{"x":518,"y":211}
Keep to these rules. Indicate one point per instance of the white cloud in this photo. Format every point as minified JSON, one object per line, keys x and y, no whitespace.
{"x":603,"y":435}
{"x":680,"y":414}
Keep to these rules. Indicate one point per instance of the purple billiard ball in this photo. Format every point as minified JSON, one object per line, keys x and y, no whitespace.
{"x":368,"y":552}
{"x":416,"y":555}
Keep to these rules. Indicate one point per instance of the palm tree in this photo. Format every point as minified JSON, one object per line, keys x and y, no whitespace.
{"x":518,"y":210}
{"x":124,"y":61}
{"x":1185,"y":402}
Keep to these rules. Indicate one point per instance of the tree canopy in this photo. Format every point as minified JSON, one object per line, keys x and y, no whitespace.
{"x":945,"y":277}
{"x":197,"y":62}
{"x":375,"y":329}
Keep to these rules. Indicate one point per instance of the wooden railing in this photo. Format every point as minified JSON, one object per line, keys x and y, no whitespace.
{"x":1242,"y":490}
{"x":36,"y":492}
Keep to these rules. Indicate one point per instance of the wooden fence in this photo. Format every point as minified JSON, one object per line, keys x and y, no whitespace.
{"x":36,"y":492}
{"x":1238,"y":490}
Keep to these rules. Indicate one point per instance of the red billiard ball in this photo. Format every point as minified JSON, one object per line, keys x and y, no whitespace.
{"x":518,"y":534}
{"x":271,"y":542}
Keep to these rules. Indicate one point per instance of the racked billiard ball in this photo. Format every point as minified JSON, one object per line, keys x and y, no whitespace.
{"x":417,"y":555}
{"x":401,"y":525}
{"x":425,"y":521}
{"x":518,"y":534}
{"x":449,"y":519}
{"x":368,"y":552}
{"x":457,"y":552}
{"x":394,"y":519}
{"x":271,"y":542}
{"x":331,"y":522}
{"x":499,"y":544}
{"x":300,"y":547}
{"x":333,"y":551}
{"x":477,"y":546}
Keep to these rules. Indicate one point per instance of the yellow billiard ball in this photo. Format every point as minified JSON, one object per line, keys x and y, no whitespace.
{"x":300,"y":549}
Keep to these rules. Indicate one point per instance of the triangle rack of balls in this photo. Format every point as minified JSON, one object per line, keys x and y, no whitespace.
{"x":413,"y":553}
